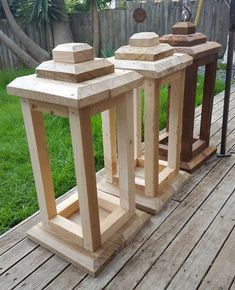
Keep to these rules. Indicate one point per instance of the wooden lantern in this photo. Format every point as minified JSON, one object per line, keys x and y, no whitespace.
{"x":155,"y":180}
{"x":194,"y":151}
{"x":89,"y":226}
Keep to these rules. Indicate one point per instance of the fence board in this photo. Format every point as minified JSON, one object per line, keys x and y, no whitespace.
{"x":117,"y":25}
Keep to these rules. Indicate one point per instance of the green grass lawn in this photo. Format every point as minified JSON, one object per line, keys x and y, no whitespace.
{"x":17,"y":191}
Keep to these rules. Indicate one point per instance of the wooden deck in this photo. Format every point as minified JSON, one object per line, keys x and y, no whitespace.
{"x":189,"y":245}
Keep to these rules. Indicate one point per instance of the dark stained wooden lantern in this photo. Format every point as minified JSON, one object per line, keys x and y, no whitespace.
{"x":194,"y":150}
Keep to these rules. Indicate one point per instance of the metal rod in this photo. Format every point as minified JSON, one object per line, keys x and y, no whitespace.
{"x":228,"y":81}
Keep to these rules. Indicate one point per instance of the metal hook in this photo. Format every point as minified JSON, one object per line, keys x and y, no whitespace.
{"x":187,"y":11}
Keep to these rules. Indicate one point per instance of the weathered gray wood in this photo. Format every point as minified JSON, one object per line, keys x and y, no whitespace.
{"x":141,"y":262}
{"x":170,"y":261}
{"x":42,"y":276}
{"x":116,"y":264}
{"x":21,"y":270}
{"x":68,"y":279}
{"x":199,"y":261}
{"x":18,"y":252}
{"x":215,"y":278}
{"x":117,"y":25}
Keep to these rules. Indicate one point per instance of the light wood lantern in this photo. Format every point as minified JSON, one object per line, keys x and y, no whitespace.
{"x":90,"y":226}
{"x":155,"y":180}
{"x":195,"y":150}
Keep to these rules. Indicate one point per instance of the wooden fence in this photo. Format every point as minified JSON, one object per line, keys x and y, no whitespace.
{"x":117,"y":25}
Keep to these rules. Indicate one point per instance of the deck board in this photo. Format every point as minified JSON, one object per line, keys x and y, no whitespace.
{"x":186,"y":246}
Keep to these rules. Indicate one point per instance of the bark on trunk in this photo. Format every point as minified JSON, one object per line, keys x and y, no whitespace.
{"x":96,"y":27}
{"x":61,"y":29}
{"x":20,"y":53}
{"x":61,"y":32}
{"x":35,"y":51}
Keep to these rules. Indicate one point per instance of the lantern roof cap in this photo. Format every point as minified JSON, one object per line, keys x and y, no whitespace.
{"x":185,"y":39}
{"x":75,"y":78}
{"x":144,"y":46}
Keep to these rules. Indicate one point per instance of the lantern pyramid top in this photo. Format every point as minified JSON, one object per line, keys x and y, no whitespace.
{"x":144,"y":46}
{"x":150,"y":58}
{"x":74,"y":78}
{"x":184,"y":34}
{"x":185,"y":39}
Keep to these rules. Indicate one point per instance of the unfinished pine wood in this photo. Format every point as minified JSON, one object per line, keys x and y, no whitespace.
{"x":144,"y":53}
{"x":144,"y":46}
{"x":153,"y":69}
{"x":125,"y":139}
{"x":175,"y":121}
{"x":80,"y":127}
{"x":74,"y":73}
{"x":73,"y":53}
{"x":76,"y":95}
{"x":151,"y":134}
{"x":144,"y":39}
{"x":91,"y":226}
{"x":40,"y":161}
{"x":109,"y":143}
{"x":137,"y":122}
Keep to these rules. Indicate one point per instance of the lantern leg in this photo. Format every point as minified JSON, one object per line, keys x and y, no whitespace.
{"x":151,"y":135}
{"x":207,"y":104}
{"x":80,"y":127}
{"x":109,"y":143}
{"x":188,"y":113}
{"x":137,"y":122}
{"x":36,"y":136}
{"x":175,"y":121}
{"x":125,"y":138}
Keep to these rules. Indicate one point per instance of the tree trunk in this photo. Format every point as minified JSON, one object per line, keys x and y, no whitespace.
{"x":61,"y":32}
{"x":35,"y":51}
{"x":61,"y":29}
{"x":96,"y":27}
{"x":20,"y":53}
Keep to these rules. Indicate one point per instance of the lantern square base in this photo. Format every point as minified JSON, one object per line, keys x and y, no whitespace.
{"x":90,"y":262}
{"x":153,"y":205}
{"x":198,"y":160}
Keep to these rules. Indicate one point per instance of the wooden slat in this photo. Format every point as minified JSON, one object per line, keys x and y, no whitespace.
{"x":66,"y":279}
{"x":199,"y":261}
{"x":151,"y":135}
{"x":137,"y":122}
{"x":28,"y":265}
{"x":80,"y":127}
{"x":109,"y":143}
{"x":113,"y":222}
{"x":67,"y":230}
{"x":35,"y":131}
{"x":175,"y":121}
{"x":46,"y":272}
{"x":125,"y":139}
{"x":220,"y":275}
{"x":141,"y":262}
{"x":170,"y":261}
